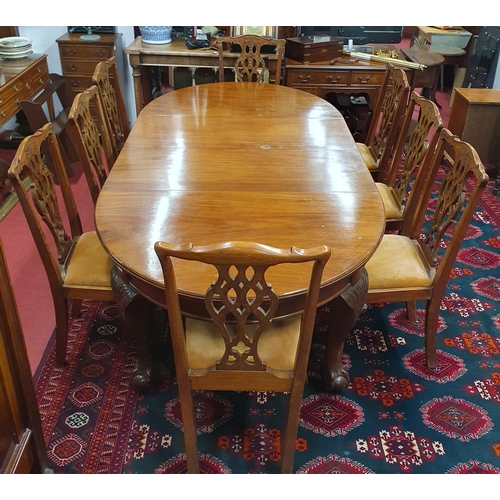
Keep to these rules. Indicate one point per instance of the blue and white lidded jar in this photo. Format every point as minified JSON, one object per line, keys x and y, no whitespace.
{"x":156,"y":34}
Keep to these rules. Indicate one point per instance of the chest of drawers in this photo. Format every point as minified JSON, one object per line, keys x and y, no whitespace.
{"x":80,"y":57}
{"x":21,"y":79}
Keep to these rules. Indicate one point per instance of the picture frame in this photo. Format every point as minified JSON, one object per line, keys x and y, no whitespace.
{"x":267,"y":31}
{"x":95,"y":29}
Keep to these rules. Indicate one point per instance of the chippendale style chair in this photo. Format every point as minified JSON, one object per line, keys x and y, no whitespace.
{"x":250,"y":65}
{"x":413,"y":154}
{"x":416,"y":264}
{"x":387,"y":116}
{"x":77,"y":266}
{"x":91,"y":138}
{"x":242,"y":347}
{"x":108,"y":82}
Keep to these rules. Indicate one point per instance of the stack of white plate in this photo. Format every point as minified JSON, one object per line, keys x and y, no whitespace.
{"x":15,"y":47}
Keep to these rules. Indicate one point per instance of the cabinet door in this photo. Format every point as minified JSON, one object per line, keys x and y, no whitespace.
{"x":12,"y":434}
{"x":22,"y":448}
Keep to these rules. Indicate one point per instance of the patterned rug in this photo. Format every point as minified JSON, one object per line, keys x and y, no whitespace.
{"x":396,"y":417}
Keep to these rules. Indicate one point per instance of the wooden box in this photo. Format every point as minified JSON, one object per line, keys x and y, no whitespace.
{"x":310,"y":49}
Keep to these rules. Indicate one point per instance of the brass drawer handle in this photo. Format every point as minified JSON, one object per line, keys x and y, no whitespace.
{"x":75,"y":83}
{"x":15,"y":88}
{"x":41,"y":80}
{"x":100,"y":52}
{"x":304,"y":80}
{"x":3,"y":114}
{"x":331,"y":78}
{"x":28,"y":86}
{"x":71,"y":52}
{"x":73,"y":67}
{"x":360,"y":78}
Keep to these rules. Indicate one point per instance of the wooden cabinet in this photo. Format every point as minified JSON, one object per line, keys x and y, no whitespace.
{"x":80,"y":57}
{"x":22,"y":449}
{"x":21,"y":80}
{"x":475,"y":118}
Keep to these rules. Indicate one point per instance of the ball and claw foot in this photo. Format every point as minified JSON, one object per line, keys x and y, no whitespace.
{"x":145,"y":379}
{"x":336,"y":381}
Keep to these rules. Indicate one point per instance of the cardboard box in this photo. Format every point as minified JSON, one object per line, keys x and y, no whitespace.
{"x":452,"y":38}
{"x":310,"y":49}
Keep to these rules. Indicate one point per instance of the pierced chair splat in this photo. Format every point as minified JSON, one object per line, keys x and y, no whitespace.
{"x":250,"y":66}
{"x":108,"y":82}
{"x":242,"y":346}
{"x":382,"y":134}
{"x":400,"y":191}
{"x":91,"y":139}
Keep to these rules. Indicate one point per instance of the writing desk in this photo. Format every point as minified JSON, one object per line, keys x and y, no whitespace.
{"x":175,"y":54}
{"x":239,"y":161}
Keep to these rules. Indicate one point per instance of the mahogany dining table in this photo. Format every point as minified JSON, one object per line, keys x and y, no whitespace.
{"x":238,"y":161}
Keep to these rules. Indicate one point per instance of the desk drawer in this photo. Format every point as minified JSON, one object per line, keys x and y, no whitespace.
{"x":78,"y":84}
{"x":85,"y":68}
{"x":26,"y":86}
{"x":296,"y":77}
{"x":367,"y":77}
{"x":75,"y":51}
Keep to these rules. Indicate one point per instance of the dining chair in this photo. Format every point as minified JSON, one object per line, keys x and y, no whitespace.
{"x":386,"y":120}
{"x":409,"y":165}
{"x":76,"y":264}
{"x":91,"y":138}
{"x":108,"y":82}
{"x":42,"y":110}
{"x":242,"y":346}
{"x":250,"y":66}
{"x":416,"y":264}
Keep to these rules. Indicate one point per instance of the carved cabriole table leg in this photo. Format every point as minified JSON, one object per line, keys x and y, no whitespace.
{"x":344,"y":312}
{"x":147,"y":324}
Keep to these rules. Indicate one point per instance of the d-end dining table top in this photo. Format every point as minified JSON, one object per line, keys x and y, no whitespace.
{"x":239,"y":161}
